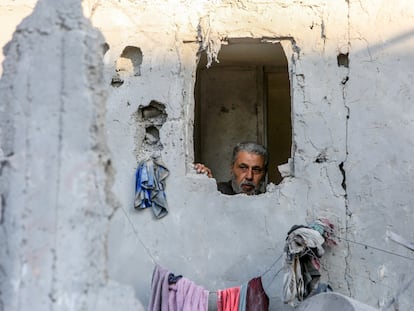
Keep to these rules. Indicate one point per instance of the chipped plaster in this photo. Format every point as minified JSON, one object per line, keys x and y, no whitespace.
{"x":351,"y":159}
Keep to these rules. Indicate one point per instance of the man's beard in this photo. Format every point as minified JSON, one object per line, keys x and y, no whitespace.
{"x":238,"y":188}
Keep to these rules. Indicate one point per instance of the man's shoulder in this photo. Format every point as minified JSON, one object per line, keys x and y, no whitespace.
{"x":225,"y":187}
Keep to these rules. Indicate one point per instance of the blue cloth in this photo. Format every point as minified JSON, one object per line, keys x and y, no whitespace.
{"x":243,"y":296}
{"x":149,"y":187}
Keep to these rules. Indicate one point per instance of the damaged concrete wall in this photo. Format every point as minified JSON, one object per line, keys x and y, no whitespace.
{"x":352,"y":116}
{"x":11,"y":14}
{"x":379,"y":164}
{"x":56,"y":198}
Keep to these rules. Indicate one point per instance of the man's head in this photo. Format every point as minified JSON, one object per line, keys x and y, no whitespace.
{"x":248,"y":168}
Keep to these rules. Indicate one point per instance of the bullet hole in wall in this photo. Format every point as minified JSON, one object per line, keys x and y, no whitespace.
{"x":343,"y":60}
{"x":127,"y":65}
{"x":116,"y":81}
{"x":322,"y":157}
{"x":150,"y":120}
{"x":152,"y":135}
{"x":155,"y":110}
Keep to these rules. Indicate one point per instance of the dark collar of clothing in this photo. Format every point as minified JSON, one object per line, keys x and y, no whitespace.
{"x":225,"y":187}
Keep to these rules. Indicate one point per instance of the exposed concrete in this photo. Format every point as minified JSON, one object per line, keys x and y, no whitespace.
{"x":352,"y":117}
{"x":56,"y":175}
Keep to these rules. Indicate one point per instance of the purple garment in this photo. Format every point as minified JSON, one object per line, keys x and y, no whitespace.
{"x":256,"y":299}
{"x":159,"y":290}
{"x":185,"y":295}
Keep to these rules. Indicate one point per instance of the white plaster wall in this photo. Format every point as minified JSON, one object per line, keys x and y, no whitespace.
{"x":379,"y":165}
{"x":322,"y":102}
{"x":194,"y":238}
{"x":359,"y":118}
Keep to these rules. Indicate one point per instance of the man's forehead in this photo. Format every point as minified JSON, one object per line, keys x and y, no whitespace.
{"x":246,"y":156}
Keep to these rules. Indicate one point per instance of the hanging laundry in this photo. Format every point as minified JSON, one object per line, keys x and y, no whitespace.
{"x":171,"y":292}
{"x":256,"y":297}
{"x":159,"y":290}
{"x":185,"y":295}
{"x":242,"y":299}
{"x":304,"y":248}
{"x":175,"y":293}
{"x":253,"y":296}
{"x":326,"y":229}
{"x":149,"y":187}
{"x":228,"y":299}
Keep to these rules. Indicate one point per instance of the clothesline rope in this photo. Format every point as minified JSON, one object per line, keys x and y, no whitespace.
{"x":264,"y":273}
{"x":138,"y":238}
{"x":331,"y":231}
{"x":376,"y":248}
{"x":155,"y":262}
{"x":135,"y":232}
{"x":280,"y":256}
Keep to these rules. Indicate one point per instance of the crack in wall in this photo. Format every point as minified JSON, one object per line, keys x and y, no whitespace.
{"x":331,"y":183}
{"x":2,"y":208}
{"x":323,"y":33}
{"x":343,"y":184}
{"x":52,"y":293}
{"x":5,"y":163}
{"x":344,"y":61}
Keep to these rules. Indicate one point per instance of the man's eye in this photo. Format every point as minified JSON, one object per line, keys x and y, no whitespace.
{"x":243,"y":167}
{"x":257,"y":170}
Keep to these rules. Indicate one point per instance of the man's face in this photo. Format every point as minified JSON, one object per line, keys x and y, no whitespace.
{"x":248,"y":172}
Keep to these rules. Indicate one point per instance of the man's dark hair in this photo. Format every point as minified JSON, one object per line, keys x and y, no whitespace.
{"x":251,"y":147}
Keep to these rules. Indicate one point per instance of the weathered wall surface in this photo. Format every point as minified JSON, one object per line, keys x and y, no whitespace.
{"x":379,"y":166}
{"x":55,"y":181}
{"x":11,"y":14}
{"x":352,"y":162}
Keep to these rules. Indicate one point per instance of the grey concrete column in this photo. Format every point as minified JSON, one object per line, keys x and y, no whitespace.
{"x":55,"y":169}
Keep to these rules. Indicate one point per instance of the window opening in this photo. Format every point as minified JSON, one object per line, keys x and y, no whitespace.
{"x":244,"y":97}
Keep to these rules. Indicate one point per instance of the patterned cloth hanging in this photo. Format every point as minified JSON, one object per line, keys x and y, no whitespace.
{"x":304,"y":248}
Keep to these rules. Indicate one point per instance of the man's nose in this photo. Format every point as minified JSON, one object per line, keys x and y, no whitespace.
{"x":249,"y":174}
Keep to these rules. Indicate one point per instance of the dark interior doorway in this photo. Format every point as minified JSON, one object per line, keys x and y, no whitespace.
{"x":244,"y":97}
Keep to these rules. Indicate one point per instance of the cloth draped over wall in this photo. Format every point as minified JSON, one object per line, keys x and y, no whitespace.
{"x":150,"y":187}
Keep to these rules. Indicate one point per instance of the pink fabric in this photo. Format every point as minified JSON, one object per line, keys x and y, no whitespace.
{"x":185,"y":295}
{"x":228,"y":299}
